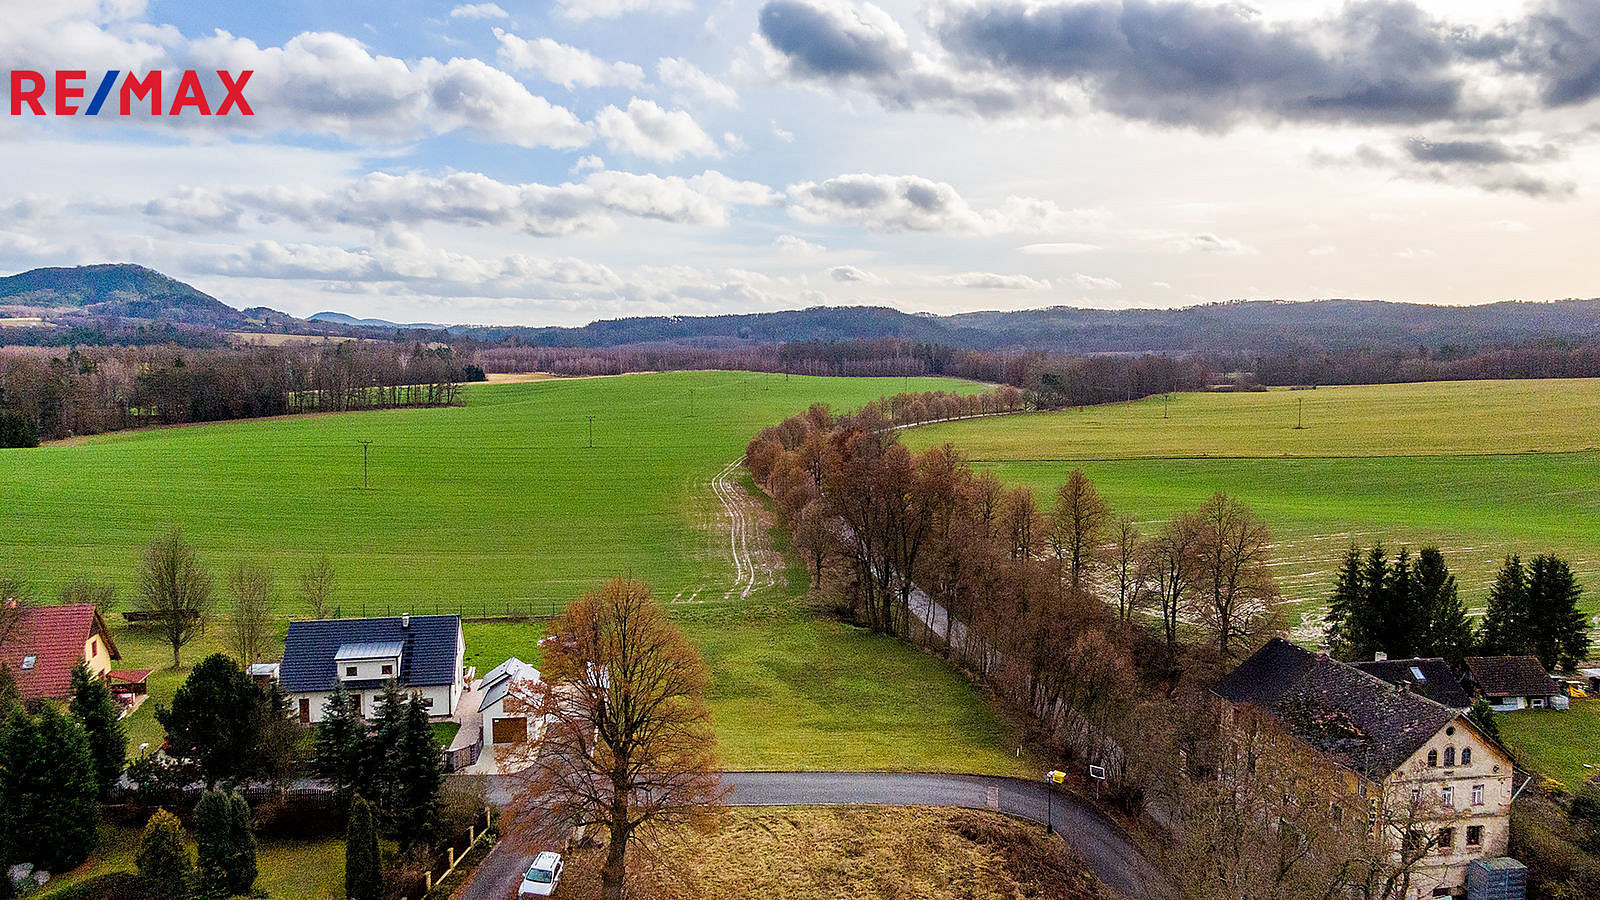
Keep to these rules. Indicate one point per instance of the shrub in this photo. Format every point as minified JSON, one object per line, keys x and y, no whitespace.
{"x":162,"y":859}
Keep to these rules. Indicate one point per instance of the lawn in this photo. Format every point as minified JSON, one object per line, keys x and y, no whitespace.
{"x":294,"y":870}
{"x":1419,"y":464}
{"x":848,"y":853}
{"x":500,"y":505}
{"x":1556,"y":744}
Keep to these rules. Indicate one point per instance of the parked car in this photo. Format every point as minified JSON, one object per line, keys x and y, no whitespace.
{"x":543,"y":874}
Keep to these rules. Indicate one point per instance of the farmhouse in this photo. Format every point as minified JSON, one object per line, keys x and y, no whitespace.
{"x":42,"y":645}
{"x":1431,"y":677}
{"x":1396,"y":747}
{"x":1514,"y":682}
{"x":424,"y":655}
{"x":502,"y":726}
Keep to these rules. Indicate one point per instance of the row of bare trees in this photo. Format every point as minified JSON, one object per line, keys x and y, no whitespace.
{"x":1107,"y":633}
{"x":97,"y":389}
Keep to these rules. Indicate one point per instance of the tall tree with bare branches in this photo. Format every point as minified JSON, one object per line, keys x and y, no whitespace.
{"x":1237,"y":593}
{"x":1125,"y":565}
{"x":316,"y":586}
{"x":251,"y":629}
{"x":175,"y":590}
{"x":628,"y":738}
{"x":1076,"y":529}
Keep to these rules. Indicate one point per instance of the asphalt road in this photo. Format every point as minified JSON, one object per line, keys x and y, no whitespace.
{"x":1104,"y":846}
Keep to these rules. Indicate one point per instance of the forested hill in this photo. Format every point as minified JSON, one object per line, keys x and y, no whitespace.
{"x":1259,"y":326}
{"x":118,"y":290}
{"x":86,"y":297}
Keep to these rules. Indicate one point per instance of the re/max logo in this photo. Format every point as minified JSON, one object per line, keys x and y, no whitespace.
{"x":28,"y":90}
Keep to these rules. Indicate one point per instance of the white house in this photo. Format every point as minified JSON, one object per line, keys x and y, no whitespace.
{"x":504,"y":727}
{"x":424,"y":655}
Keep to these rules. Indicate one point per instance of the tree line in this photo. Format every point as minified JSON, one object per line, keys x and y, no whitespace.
{"x":91,"y":390}
{"x":1408,"y":606}
{"x":1300,"y":363}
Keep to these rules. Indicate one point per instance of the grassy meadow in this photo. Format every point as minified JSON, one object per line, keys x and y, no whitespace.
{"x":1560,"y":745}
{"x":1479,"y":469}
{"x":501,"y":506}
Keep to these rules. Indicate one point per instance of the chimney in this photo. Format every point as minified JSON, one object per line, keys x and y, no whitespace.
{"x":405,"y":620}
{"x":1380,"y":656}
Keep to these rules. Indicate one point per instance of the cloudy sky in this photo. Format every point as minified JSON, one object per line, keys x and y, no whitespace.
{"x":560,"y":162}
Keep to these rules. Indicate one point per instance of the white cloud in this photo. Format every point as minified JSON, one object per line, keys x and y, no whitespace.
{"x":586,"y":163}
{"x":1323,"y":250}
{"x":322,"y":82}
{"x":992,"y":281}
{"x":379,"y":200}
{"x":896,"y":203}
{"x":581,"y":10}
{"x":1066,"y":248}
{"x":791,"y":245}
{"x":1095,"y":283}
{"x":690,"y":82}
{"x":563,"y":64}
{"x":647,"y":130}
{"x":1207,"y":242}
{"x":479,"y":11}
{"x":1509,"y":225}
{"x":852,"y":274}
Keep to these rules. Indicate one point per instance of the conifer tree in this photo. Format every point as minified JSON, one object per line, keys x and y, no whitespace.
{"x":1502,"y":630}
{"x":1346,"y":607}
{"x":94,"y":708}
{"x":213,"y":837}
{"x":1448,"y":634}
{"x":388,"y":722}
{"x":1554,"y":629}
{"x":363,"y":876}
{"x":342,"y":747}
{"x":162,"y":858}
{"x":1401,"y":618}
{"x":244,"y":869}
{"x":49,"y":798}
{"x":417,"y":774}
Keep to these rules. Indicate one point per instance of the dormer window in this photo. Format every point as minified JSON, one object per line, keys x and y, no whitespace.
{"x":28,"y":662}
{"x":349,"y":671}
{"x":388,"y":669}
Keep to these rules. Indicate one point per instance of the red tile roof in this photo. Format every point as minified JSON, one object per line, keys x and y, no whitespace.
{"x":54,"y":636}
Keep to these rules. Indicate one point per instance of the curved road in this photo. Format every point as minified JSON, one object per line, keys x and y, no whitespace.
{"x":1110,"y":854}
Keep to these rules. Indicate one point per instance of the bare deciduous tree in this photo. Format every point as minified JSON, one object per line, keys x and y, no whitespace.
{"x":1125,"y":565}
{"x":316,"y":586}
{"x":1076,"y":529}
{"x":1236,"y":592}
{"x":1168,"y":564}
{"x":627,"y":738}
{"x":175,"y":591}
{"x":251,"y":630}
{"x":83,"y":589}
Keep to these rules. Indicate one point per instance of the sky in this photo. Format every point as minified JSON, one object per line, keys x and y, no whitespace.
{"x":556,"y":163}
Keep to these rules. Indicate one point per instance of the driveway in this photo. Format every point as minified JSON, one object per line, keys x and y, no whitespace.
{"x":1107,"y":850}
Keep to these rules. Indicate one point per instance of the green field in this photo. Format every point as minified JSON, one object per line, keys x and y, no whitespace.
{"x":501,"y":505}
{"x":1560,"y":745}
{"x":1448,"y":464}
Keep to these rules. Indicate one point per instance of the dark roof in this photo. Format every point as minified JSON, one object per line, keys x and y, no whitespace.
{"x":1368,"y":723}
{"x":429,"y":657}
{"x":1510,"y":676}
{"x":54,"y":636}
{"x":1432,"y":678}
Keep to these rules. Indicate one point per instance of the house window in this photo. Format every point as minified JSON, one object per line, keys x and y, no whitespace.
{"x":388,"y":669}
{"x":1433,"y":758}
{"x":349,"y":671}
{"x":28,"y":661}
{"x":1477,"y":795}
{"x":427,"y":703}
{"x":1474,"y":835}
{"x":1447,"y":795}
{"x":1466,"y":756}
{"x":1361,"y":789}
{"x":94,"y":646}
{"x":1536,"y":702}
{"x":1447,"y":840}
{"x":1414,"y":839}
{"x":1449,"y":757}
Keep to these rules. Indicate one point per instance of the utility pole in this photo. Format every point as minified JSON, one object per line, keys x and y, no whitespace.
{"x":1166,"y":401}
{"x":1299,"y":414}
{"x":591,"y":432}
{"x":365,"y":482}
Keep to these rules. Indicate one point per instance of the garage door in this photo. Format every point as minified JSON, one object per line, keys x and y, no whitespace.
{"x":512,"y":730}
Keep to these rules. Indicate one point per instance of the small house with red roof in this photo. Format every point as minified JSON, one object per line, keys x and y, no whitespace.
{"x":42,"y":644}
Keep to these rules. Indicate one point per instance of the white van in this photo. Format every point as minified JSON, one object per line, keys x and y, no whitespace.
{"x":542,"y":876}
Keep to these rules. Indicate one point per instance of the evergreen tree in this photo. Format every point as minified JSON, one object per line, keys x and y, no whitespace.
{"x":213,"y":720}
{"x":1345,"y":609}
{"x":93,"y":706}
{"x":48,"y":793}
{"x":1448,"y":633}
{"x":1502,"y":630}
{"x":342,"y":747}
{"x":162,"y":859}
{"x":363,"y":876}
{"x":10,"y":697}
{"x":388,"y":723}
{"x":1402,"y":620}
{"x":277,"y":736}
{"x":1374,"y":613}
{"x":1554,"y":629}
{"x":1481,"y":714}
{"x":417,"y":774}
{"x":244,"y":867}
{"x":213,"y":837}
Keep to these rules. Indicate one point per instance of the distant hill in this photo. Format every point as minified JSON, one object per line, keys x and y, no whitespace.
{"x":131,"y":292}
{"x":119,"y":290}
